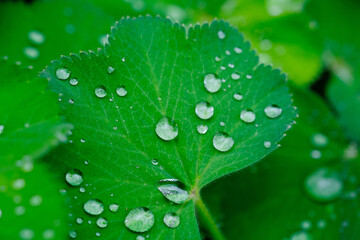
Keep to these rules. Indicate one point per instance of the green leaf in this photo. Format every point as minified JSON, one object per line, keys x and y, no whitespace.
{"x":39,"y":32}
{"x":272,"y":196}
{"x":29,"y":128}
{"x":135,"y":120}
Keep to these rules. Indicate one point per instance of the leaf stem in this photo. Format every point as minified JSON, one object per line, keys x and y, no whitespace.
{"x":208,"y":220}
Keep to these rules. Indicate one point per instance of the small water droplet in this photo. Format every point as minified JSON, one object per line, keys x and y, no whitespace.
{"x":139,"y":220}
{"x":238,"y":96}
{"x":249,"y":76}
{"x":72,"y":234}
{"x":154,"y":161}
{"x":110,"y":69}
{"x":201,"y":128}
{"x":18,"y":184}
{"x":273,"y":111}
{"x":101,"y":222}
{"x":63,"y":73}
{"x":166,"y":130}
{"x":74,"y":81}
{"x":139,"y":237}
{"x":221,"y":34}
{"x":121,"y":91}
{"x":26,"y":234}
{"x":227,"y":52}
{"x":2,"y":129}
{"x":123,"y":59}
{"x":74,"y":177}
{"x":267,"y":144}
{"x":247,"y":116}
{"x":171,"y":220}
{"x":319,"y":140}
{"x":36,"y":37}
{"x":36,"y":200}
{"x":324,"y":185}
{"x":114,"y":207}
{"x":100,"y":92}
{"x":212,"y":83}
{"x":223,"y":142}
{"x":231,"y":65}
{"x":172,"y":189}
{"x":217,"y":59}
{"x":94,"y":207}
{"x":301,"y":236}
{"x":204,"y":110}
{"x":222,"y":124}
{"x":238,"y":50}
{"x":71,"y":101}
{"x":235,"y":76}
{"x":31,"y":52}
{"x":79,"y":220}
{"x":315,"y":154}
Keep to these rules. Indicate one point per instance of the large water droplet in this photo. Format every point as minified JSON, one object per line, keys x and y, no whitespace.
{"x":121,"y":91}
{"x":74,"y":177}
{"x":94,"y":207}
{"x":36,"y":37}
{"x":324,"y":185}
{"x":171,"y":220}
{"x":212,"y":83}
{"x":223,"y":142}
{"x":166,"y":130}
{"x":100,"y":91}
{"x":221,"y":34}
{"x":273,"y":111}
{"x":247,"y":116}
{"x":201,"y":128}
{"x":139,"y":220}
{"x":204,"y":110}
{"x":101,"y":222}
{"x":319,"y":140}
{"x":63,"y":73}
{"x":172,"y":189}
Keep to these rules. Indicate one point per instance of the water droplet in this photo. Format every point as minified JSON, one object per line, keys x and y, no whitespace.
{"x":139,"y":220}
{"x":71,"y":101}
{"x":315,"y":154}
{"x":267,"y":144}
{"x":36,"y":200}
{"x":63,"y":73}
{"x":18,"y":184}
{"x":101,"y":222}
{"x":166,"y":130}
{"x":79,"y":220}
{"x":48,"y":234}
{"x":139,"y":237}
{"x":305,"y":225}
{"x":204,"y":110}
{"x":2,"y":129}
{"x":223,"y":142}
{"x":82,"y":190}
{"x":26,"y":234}
{"x":31,"y":52}
{"x":36,"y":37}
{"x":238,"y":96}
{"x":172,"y":189}
{"x":301,"y":236}
{"x":94,"y":207}
{"x":238,"y":50}
{"x":247,"y":116}
{"x":121,"y":91}
{"x":273,"y":111}
{"x":231,"y":65}
{"x":235,"y":76}
{"x":154,"y":162}
{"x":114,"y":207}
{"x":72,"y":234}
{"x":201,"y":128}
{"x":227,"y":52}
{"x":249,"y":76}
{"x":110,"y":69}
{"x":217,"y":59}
{"x":319,"y":140}
{"x":74,"y":81}
{"x":100,"y":92}
{"x":324,"y":185}
{"x":74,"y":177}
{"x":171,"y":220}
{"x":212,"y":83}
{"x":221,"y":34}
{"x":222,"y":124}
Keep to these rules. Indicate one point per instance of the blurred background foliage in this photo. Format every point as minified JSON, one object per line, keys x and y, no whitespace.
{"x":316,"y":42}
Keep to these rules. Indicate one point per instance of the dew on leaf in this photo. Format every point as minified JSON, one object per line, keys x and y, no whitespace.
{"x":238,"y":50}
{"x":72,"y":234}
{"x":121,"y":91}
{"x":94,"y":207}
{"x":235,"y":76}
{"x":172,"y":189}
{"x":212,"y":83}
{"x":319,"y":140}
{"x":223,"y":142}
{"x":139,"y":220}
{"x":110,"y":69}
{"x":247,"y":116}
{"x":100,"y":91}
{"x":31,"y":52}
{"x":79,"y":220}
{"x":166,"y":130}
{"x":221,"y":34}
{"x":204,"y":110}
{"x":238,"y":96}
{"x":63,"y":73}
{"x":273,"y":111}
{"x":36,"y":37}
{"x":267,"y":144}
{"x":101,"y":222}
{"x":73,"y":82}
{"x":201,"y":128}
{"x":114,"y":207}
{"x":324,"y":185}
{"x":74,"y":177}
{"x":171,"y":220}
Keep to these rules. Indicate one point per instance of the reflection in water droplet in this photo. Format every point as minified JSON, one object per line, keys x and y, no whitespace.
{"x":74,"y":81}
{"x":267,"y":144}
{"x":172,"y":189}
{"x":121,"y":91}
{"x":114,"y":207}
{"x":247,"y":116}
{"x":235,"y":76}
{"x":171,"y":220}
{"x":94,"y":207}
{"x":101,"y":222}
{"x":201,"y":128}
{"x":204,"y":110}
{"x":63,"y":73}
{"x":273,"y":111}
{"x":110,"y":69}
{"x":74,"y":177}
{"x":319,"y":140}
{"x":221,"y":34}
{"x":36,"y":37}
{"x":166,"y":130}
{"x":238,"y":96}
{"x":139,"y":220}
{"x":212,"y":83}
{"x":100,"y":92}
{"x":324,"y":185}
{"x":223,"y":142}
